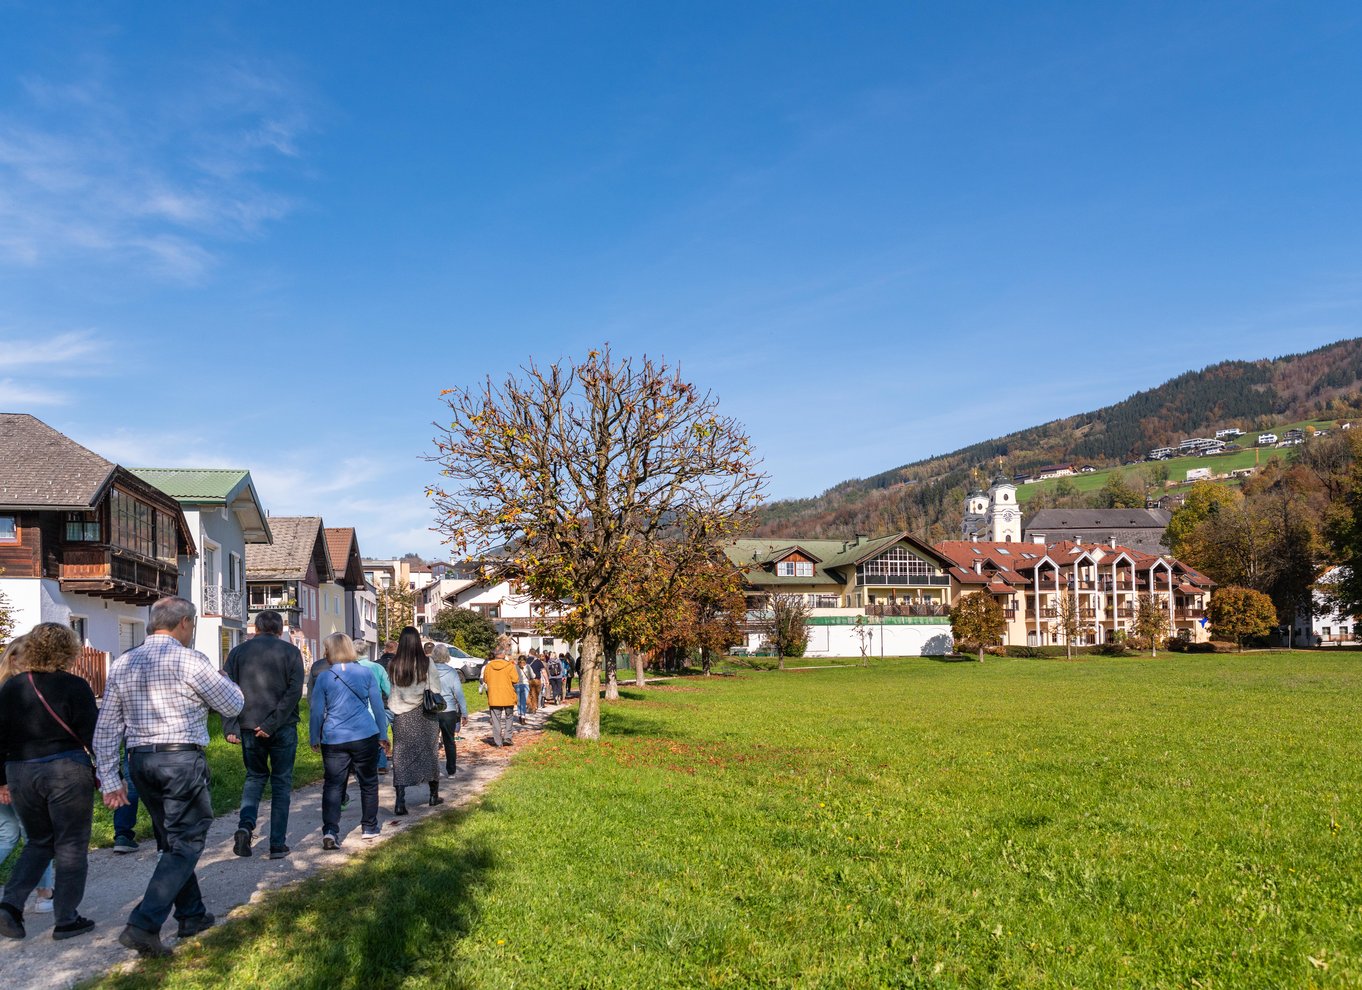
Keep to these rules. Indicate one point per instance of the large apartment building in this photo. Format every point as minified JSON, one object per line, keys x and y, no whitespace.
{"x":903,"y":589}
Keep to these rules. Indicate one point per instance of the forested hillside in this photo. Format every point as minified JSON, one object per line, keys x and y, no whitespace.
{"x":925,"y":497}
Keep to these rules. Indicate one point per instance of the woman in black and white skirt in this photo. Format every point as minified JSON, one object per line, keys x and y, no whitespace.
{"x":415,"y":737}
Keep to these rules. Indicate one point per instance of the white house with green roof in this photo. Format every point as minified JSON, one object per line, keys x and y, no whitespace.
{"x":892,"y":593}
{"x":224,"y":513}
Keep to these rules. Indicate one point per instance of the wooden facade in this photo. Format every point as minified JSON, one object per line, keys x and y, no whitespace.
{"x":133,"y":558}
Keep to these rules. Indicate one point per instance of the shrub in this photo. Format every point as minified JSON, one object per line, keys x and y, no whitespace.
{"x":1220,"y":646}
{"x":1116,"y":649}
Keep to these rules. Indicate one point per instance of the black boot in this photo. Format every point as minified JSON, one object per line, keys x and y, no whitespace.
{"x":435,"y":794}
{"x":400,"y":806}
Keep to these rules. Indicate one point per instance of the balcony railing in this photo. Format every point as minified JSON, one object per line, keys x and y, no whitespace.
{"x":1009,"y":613}
{"x":881,"y":609}
{"x":105,"y":573}
{"x":225,"y":602}
{"x":1190,"y":613}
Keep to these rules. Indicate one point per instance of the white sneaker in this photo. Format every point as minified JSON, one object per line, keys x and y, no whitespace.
{"x":43,"y":905}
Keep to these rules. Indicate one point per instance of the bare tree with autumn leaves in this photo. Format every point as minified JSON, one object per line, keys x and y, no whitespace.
{"x":599,"y":481}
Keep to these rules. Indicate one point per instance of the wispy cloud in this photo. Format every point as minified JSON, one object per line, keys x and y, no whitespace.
{"x":16,"y":396}
{"x":62,"y":349}
{"x":158,"y":182}
{"x":46,"y":364}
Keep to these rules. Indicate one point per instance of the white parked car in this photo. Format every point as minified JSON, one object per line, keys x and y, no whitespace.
{"x":468,"y":666}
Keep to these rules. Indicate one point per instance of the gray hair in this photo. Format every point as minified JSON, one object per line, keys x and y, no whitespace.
{"x":440,"y":654}
{"x":269,"y":623}
{"x":168,"y":613}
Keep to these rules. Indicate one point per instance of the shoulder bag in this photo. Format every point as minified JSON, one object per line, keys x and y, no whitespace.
{"x":432,"y":702}
{"x":62,"y":722}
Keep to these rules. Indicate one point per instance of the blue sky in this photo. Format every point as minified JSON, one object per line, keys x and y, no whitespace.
{"x":268,"y":235}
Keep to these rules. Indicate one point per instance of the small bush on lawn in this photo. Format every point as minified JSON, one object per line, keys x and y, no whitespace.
{"x":1110,"y":650}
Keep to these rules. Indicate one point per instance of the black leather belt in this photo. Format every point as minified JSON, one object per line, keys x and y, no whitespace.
{"x":167,"y":748}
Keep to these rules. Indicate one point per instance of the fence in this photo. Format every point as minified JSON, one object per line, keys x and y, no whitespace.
{"x":93,"y":665}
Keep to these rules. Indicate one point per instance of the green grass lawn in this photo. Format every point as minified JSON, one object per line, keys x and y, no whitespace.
{"x":1180,"y":821}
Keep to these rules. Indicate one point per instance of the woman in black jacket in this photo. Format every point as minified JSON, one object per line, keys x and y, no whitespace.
{"x":47,"y":724}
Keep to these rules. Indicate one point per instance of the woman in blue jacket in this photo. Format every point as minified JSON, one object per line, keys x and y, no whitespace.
{"x":348,"y":726}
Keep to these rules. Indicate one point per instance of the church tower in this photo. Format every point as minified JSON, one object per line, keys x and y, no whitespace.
{"x":1004,"y":514}
{"x":976,"y":524}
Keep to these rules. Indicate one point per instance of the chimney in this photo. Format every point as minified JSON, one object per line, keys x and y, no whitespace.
{"x":1078,"y":541}
{"x":859,"y":538}
{"x":1112,"y":540}
{"x":978,"y":567}
{"x":844,"y":546}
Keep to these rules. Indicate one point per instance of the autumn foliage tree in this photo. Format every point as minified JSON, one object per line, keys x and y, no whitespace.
{"x":1069,"y":621}
{"x":600,"y":481}
{"x":1151,"y":622}
{"x":395,"y":609}
{"x":977,"y":621}
{"x":786,"y":626}
{"x":1239,"y":613}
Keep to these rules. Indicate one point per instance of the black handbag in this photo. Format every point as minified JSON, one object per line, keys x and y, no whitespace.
{"x":432,"y":704}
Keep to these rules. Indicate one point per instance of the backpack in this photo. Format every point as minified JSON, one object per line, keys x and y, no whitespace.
{"x":555,"y":668}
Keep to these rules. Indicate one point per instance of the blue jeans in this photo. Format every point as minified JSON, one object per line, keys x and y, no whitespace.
{"x":522,"y":698}
{"x":11,"y":832}
{"x":339,"y":760}
{"x":125,"y":818}
{"x":269,"y":759}
{"x":55,"y":802}
{"x":174,"y":787}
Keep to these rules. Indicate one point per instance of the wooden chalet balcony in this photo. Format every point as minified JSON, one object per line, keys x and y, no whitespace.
{"x":1190,"y":613}
{"x":529,"y":623}
{"x":102,"y":571}
{"x":1009,"y":613}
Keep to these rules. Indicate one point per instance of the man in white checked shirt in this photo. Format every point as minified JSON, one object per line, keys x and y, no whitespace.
{"x":157,"y":700}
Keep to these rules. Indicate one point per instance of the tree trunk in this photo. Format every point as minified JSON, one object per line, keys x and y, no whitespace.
{"x":705,"y":661}
{"x":1068,"y":648}
{"x":612,"y":684}
{"x":782,"y":660}
{"x":638,"y":669}
{"x":981,"y":654}
{"x":589,"y":686}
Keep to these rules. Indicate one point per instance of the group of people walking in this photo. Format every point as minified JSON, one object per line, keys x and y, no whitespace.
{"x":146,"y":743}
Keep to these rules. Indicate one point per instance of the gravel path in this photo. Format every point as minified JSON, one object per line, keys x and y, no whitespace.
{"x":229,"y":882}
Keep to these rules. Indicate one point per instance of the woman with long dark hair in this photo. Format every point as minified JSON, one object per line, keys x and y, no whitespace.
{"x":415,"y":737}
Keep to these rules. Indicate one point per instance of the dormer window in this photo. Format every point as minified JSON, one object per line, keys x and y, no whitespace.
{"x":794,"y":568}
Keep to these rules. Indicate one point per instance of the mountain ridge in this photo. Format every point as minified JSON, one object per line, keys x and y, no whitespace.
{"x":925,"y":496}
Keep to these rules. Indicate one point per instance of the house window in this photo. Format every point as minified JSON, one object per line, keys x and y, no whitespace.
{"x":130,"y":635}
{"x":234,"y":571}
{"x":895,"y":562}
{"x":803,"y":568}
{"x":165,"y":536}
{"x":9,"y":529}
{"x":131,"y":523}
{"x":82,"y":527}
{"x":785,"y":568}
{"x":81,"y":627}
{"x":210,"y":565}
